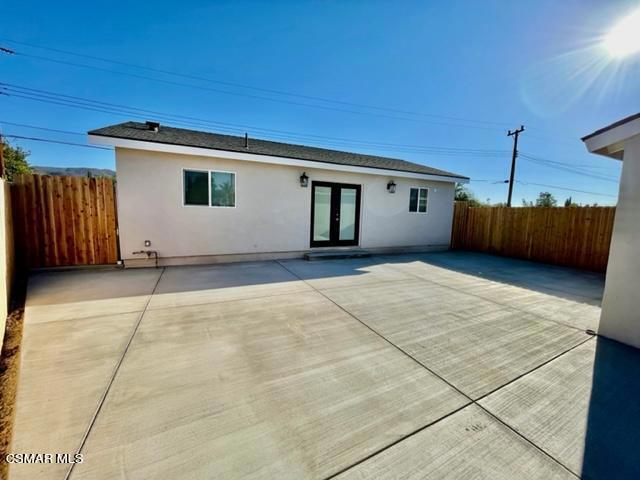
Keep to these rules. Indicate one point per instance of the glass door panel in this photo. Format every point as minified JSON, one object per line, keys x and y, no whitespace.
{"x":347,"y":214}
{"x":322,"y":214}
{"x":335,"y":211}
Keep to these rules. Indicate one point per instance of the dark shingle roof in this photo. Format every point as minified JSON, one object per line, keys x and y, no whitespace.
{"x":215,"y":141}
{"x":628,"y":119}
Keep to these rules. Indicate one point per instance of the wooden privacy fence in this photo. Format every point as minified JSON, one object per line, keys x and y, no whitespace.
{"x":573,"y":236}
{"x":64,"y":220}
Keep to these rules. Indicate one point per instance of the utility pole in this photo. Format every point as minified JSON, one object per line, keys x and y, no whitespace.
{"x":515,"y":135}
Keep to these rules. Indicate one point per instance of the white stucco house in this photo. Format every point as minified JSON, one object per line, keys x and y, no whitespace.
{"x":198,"y":197}
{"x":620,"y":318}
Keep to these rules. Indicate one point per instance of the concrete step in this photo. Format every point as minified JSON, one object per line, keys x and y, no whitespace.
{"x":336,"y":254}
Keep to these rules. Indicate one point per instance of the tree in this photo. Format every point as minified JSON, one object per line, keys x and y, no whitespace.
{"x":463,"y":194}
{"x":15,"y":161}
{"x":545,"y":199}
{"x":570,"y":203}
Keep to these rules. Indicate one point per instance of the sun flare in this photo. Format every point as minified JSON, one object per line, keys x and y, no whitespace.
{"x":624,"y":38}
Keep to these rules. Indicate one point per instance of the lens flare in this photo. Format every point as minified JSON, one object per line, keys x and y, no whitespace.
{"x":624,"y":38}
{"x":596,"y":70}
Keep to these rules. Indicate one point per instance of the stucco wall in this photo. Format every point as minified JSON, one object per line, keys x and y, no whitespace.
{"x":272,"y":212}
{"x":620,"y":318}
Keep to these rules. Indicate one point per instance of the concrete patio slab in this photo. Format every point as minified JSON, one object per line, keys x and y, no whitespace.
{"x":341,"y":273}
{"x":288,"y":386}
{"x":551,"y":279}
{"x":467,"y":444}
{"x":582,"y":408}
{"x":80,"y":294}
{"x":567,"y":296}
{"x":273,"y":369}
{"x":206,"y":284}
{"x":65,"y":369}
{"x":578,"y":312}
{"x":474,"y":344}
{"x":581,"y":314}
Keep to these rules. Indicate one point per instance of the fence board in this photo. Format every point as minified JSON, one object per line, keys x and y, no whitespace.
{"x":64,"y":220}
{"x":576,"y":237}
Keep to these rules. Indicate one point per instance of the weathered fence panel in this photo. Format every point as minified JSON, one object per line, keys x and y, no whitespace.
{"x":574,"y":236}
{"x":64,"y":220}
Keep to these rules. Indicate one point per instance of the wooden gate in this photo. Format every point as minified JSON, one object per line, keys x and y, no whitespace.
{"x":64,"y":220}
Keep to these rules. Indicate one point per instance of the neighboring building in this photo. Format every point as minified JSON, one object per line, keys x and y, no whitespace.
{"x":620,"y":317}
{"x":202,"y":197}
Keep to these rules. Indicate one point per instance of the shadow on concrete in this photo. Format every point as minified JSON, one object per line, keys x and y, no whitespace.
{"x":572,"y":284}
{"x":612,"y":443}
{"x":50,"y":288}
{"x":71,"y":286}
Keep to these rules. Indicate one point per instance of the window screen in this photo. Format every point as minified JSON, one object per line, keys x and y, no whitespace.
{"x":223,"y":189}
{"x":418,"y":200}
{"x":196,"y":189}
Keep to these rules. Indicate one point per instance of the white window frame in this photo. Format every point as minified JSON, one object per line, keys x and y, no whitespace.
{"x":418,"y":204}
{"x":208,"y":172}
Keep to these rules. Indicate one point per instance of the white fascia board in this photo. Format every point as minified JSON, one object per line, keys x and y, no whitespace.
{"x":611,"y":141}
{"x":250,"y":157}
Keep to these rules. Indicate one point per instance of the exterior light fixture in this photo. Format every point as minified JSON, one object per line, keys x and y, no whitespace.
{"x":304,"y":180}
{"x":391,"y":187}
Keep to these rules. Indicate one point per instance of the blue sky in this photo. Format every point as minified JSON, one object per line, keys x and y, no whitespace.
{"x":448,"y":79}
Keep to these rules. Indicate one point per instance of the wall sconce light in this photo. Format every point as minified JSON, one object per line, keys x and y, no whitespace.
{"x":304,"y":180}
{"x":391,"y":187}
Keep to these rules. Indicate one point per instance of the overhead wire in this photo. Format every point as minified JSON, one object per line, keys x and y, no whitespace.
{"x":115,"y":109}
{"x":106,"y":107}
{"x":47,"y":129}
{"x":566,"y":188}
{"x":48,"y":140}
{"x":248,"y":95}
{"x":557,"y":166}
{"x":238,"y":85}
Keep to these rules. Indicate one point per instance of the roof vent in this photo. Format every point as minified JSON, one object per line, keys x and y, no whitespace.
{"x":153,"y":126}
{"x":246,"y":140}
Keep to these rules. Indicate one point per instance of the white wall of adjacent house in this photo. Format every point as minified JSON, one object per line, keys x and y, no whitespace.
{"x":620,"y":318}
{"x":272,"y":212}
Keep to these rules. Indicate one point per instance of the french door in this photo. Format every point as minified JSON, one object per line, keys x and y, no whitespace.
{"x":335,"y":214}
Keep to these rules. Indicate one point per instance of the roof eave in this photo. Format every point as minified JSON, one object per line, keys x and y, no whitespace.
{"x":101,"y":139}
{"x":610,"y":140}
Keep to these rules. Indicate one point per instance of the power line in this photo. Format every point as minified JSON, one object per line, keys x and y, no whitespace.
{"x":492,"y":181}
{"x":67,"y":132}
{"x":574,"y":171}
{"x":234,"y":84}
{"x":111,"y":108}
{"x":568,"y":189}
{"x":570,"y":170}
{"x":248,"y":95}
{"x":547,"y":134}
{"x":568,"y":164}
{"x":48,"y":140}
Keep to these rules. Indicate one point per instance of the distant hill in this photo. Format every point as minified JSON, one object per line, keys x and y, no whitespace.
{"x":73,"y":171}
